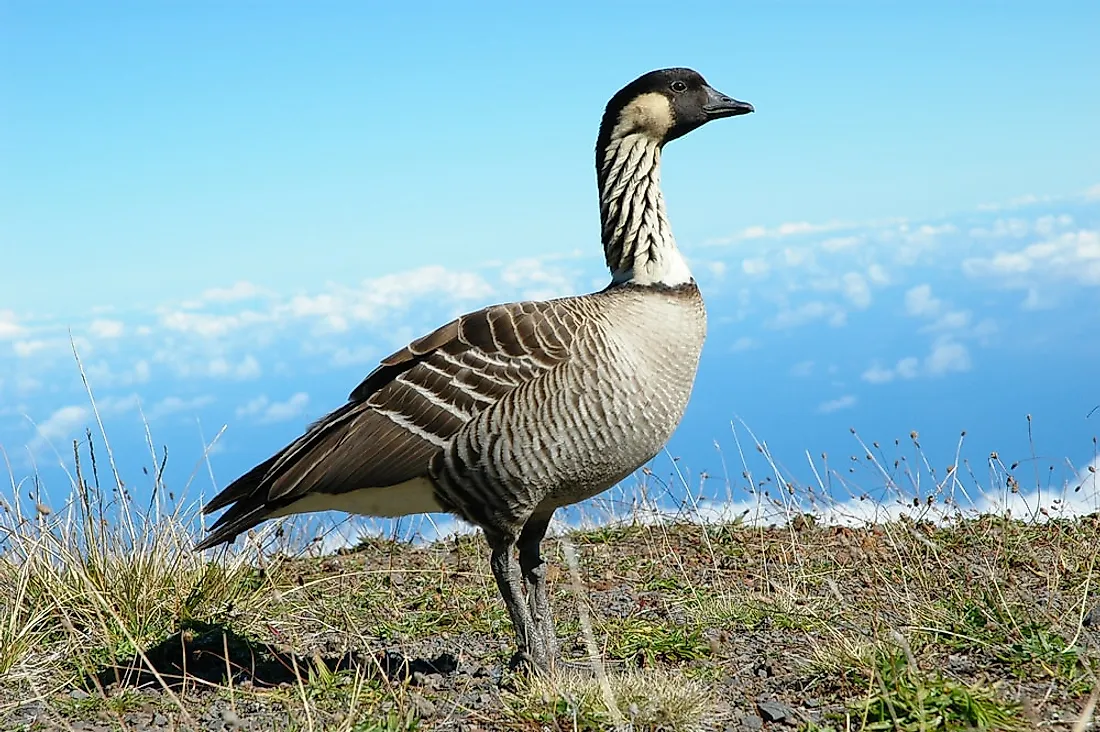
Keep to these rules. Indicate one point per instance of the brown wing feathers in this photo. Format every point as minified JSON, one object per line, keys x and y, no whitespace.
{"x":404,"y":411}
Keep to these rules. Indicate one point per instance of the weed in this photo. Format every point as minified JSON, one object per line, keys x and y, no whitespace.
{"x":650,"y":643}
{"x":901,"y":698}
{"x":646,"y":699}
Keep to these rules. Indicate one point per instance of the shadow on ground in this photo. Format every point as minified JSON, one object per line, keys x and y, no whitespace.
{"x":217,"y":655}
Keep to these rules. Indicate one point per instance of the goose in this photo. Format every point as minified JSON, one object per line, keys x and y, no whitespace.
{"x":508,"y":413}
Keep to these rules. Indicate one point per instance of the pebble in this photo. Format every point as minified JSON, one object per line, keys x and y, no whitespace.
{"x":424,"y":707}
{"x":752,"y":722}
{"x":773,"y":711}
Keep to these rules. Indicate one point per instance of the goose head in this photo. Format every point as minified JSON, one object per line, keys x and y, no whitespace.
{"x":666,"y":104}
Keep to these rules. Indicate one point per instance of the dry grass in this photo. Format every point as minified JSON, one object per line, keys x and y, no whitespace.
{"x":928,"y":619}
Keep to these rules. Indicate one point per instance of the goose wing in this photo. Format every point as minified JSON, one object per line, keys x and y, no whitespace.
{"x":403,"y":412}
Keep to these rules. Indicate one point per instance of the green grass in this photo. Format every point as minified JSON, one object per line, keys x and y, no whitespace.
{"x":651,"y":643}
{"x":902,"y":698}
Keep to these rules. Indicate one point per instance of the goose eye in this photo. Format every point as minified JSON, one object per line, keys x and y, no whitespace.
{"x":679,"y":86}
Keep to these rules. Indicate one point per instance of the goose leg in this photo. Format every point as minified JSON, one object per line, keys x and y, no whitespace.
{"x":533,"y":569}
{"x":530,"y":647}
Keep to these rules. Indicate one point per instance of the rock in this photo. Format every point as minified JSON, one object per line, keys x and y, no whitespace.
{"x":773,"y":711}
{"x":751,"y":722}
{"x":78,"y":694}
{"x":159,"y":720}
{"x":423,"y":706}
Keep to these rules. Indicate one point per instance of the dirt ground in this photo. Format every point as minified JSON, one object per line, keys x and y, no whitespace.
{"x":981,"y":624}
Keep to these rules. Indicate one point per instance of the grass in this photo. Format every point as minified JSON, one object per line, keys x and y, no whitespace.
{"x":645,"y":699}
{"x":927,"y":619}
{"x":902,"y":698}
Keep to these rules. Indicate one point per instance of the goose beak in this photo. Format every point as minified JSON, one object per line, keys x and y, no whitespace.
{"x":718,"y":105}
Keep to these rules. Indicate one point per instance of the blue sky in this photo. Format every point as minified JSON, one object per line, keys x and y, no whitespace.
{"x":237,"y":209}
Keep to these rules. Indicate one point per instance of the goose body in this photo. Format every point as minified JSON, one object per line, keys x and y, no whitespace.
{"x":510,"y":412}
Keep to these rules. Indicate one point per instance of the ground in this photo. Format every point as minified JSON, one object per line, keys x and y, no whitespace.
{"x":977,"y":623}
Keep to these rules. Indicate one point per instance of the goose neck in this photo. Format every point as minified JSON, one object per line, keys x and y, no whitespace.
{"x":638,"y":244}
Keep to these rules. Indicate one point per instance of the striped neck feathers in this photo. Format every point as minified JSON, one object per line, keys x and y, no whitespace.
{"x":637,"y":239}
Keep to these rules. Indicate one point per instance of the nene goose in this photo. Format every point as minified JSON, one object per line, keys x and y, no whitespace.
{"x":508,"y":413}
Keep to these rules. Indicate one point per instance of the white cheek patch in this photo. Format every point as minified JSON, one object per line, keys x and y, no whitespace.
{"x":649,"y":113}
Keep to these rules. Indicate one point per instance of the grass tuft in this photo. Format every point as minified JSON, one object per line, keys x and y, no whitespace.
{"x":647,"y":699}
{"x":902,"y":698}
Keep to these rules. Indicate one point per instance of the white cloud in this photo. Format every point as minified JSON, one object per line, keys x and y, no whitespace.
{"x":716,"y":268}
{"x":808,"y":313}
{"x":856,"y":289}
{"x":947,"y":357}
{"x":755,"y":266}
{"x":104,"y":328}
{"x":142,"y":372}
{"x":242,"y":290}
{"x":291,"y":408}
{"x":174,"y":404}
{"x":793,"y":257}
{"x":1026,"y":199}
{"x":841,"y":242}
{"x":920,"y":302}
{"x":26,"y":349}
{"x":398,"y":290}
{"x":536,"y":280}
{"x":877,"y":374}
{"x":1048,"y":225}
{"x":215,"y":367}
{"x":1093,"y":193}
{"x":835,"y":405}
{"x":60,"y":425}
{"x":1036,"y":300}
{"x":1088,"y":481}
{"x":744,"y":343}
{"x":374,"y":299}
{"x":905,"y":368}
{"x":1072,"y":256}
{"x":354,"y":356}
{"x":793,"y":228}
{"x":252,"y":407}
{"x":101,"y":373}
{"x":953,"y":320}
{"x":329,"y":309}
{"x":802,"y":369}
{"x":878,"y":274}
{"x":208,"y":325}
{"x":266,"y":411}
{"x":1003,"y":229}
{"x":1079,"y":496}
{"x":247,"y":368}
{"x":9,"y":328}
{"x":929,"y":230}
{"x":112,"y":404}
{"x":985,"y":329}
{"x":25,"y":385}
